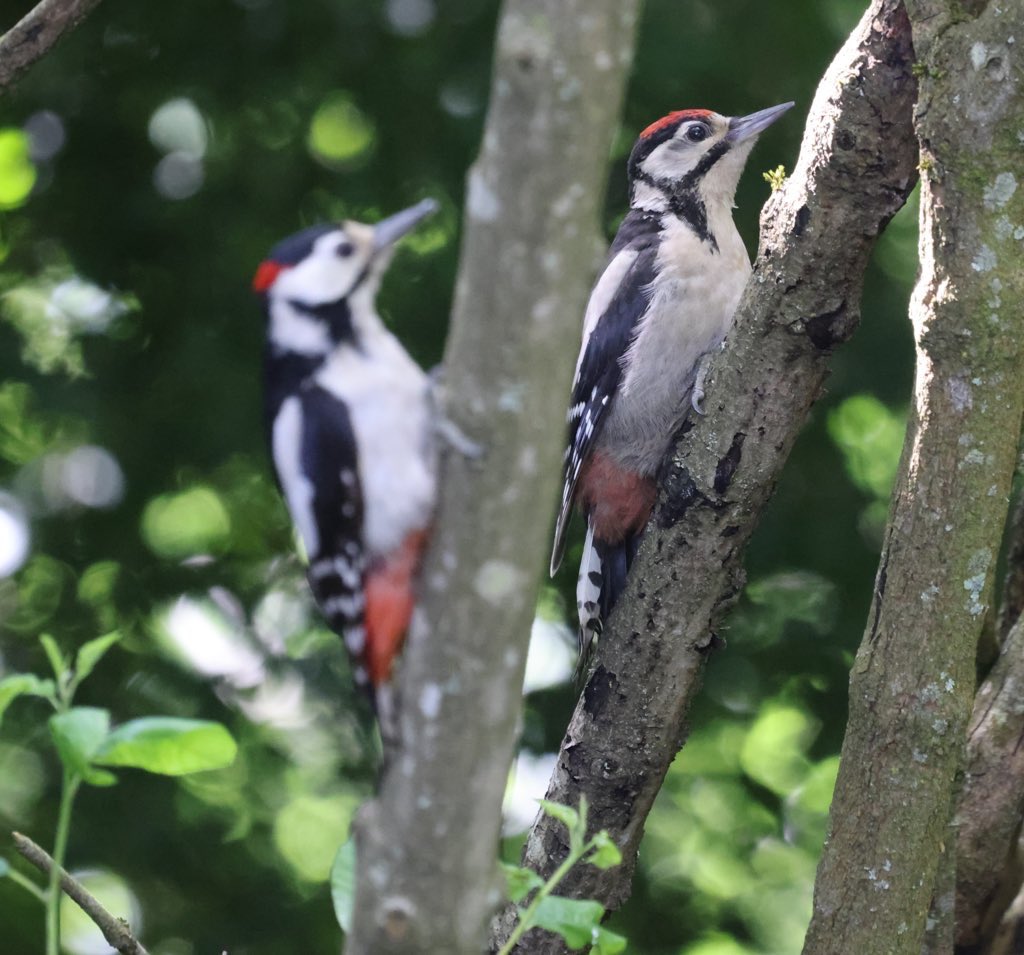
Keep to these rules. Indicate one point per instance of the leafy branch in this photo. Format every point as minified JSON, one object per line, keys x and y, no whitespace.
{"x":578,"y":921}
{"x":85,"y":745}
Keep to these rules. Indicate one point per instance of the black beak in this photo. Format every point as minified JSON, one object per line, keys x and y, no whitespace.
{"x":388,"y":231}
{"x":745,"y":127}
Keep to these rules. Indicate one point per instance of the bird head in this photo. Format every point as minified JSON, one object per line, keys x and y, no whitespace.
{"x":696,"y":149}
{"x":328,"y":263}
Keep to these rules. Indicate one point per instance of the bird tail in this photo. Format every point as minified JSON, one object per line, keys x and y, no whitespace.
{"x":601,"y":580}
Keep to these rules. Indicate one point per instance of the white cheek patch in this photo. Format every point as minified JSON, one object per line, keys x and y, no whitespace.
{"x":673,"y":160}
{"x":323,"y":275}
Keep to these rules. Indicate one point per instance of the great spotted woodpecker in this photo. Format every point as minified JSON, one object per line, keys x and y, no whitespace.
{"x":351,"y":432}
{"x":664,"y":301}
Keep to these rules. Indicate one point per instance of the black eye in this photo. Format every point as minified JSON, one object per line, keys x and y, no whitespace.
{"x":345,"y":249}
{"x":697,"y":133}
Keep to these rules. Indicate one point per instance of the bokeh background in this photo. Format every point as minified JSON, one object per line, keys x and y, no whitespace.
{"x":145,"y":167}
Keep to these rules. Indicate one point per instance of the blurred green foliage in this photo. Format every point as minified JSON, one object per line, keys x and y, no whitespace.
{"x":145,"y":168}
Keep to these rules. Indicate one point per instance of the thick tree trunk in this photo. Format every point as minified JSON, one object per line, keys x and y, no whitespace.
{"x":855,"y":169}
{"x":428,"y":879}
{"x":912,"y":685}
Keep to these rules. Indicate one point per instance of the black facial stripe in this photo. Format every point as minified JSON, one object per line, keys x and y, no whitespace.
{"x":685,"y":203}
{"x":688,"y":206}
{"x":337,"y":315}
{"x":709,"y":158}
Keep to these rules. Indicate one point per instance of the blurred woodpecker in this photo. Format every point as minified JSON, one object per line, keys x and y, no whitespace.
{"x":350,"y":424}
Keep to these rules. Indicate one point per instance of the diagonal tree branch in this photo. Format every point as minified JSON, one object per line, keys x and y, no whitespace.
{"x":855,"y":170}
{"x":912,"y":686}
{"x":116,"y":931}
{"x":36,"y":32}
{"x":428,"y":880}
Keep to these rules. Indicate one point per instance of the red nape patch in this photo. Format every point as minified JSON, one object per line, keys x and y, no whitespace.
{"x":389,"y":604}
{"x":266,"y":275}
{"x":674,"y":119}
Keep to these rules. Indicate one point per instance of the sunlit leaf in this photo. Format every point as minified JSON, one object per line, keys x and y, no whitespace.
{"x":191,"y":522}
{"x":307,"y":829}
{"x":17,"y":174}
{"x":520,"y":881}
{"x":340,"y":132}
{"x":607,"y":943}
{"x":168,"y":745}
{"x":573,"y":919}
{"x":78,"y":735}
{"x":717,"y":944}
{"x":774,"y":753}
{"x":53,"y":653}
{"x":871,"y":439}
{"x":343,"y":884}
{"x":23,"y":684}
{"x":89,"y":654}
{"x":566,"y":815}
{"x":606,"y":853}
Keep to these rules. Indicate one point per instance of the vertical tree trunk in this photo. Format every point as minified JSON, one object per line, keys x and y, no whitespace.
{"x":428,"y":879}
{"x":912,"y":685}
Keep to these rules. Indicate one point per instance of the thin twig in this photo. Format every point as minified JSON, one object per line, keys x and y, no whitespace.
{"x":36,"y":32}
{"x":114,"y":930}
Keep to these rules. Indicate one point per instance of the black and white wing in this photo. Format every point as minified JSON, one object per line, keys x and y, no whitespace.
{"x":616,"y":305}
{"x":314,"y":451}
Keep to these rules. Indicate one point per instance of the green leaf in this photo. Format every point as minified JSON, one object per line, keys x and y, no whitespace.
{"x":53,"y":654}
{"x":574,"y":919}
{"x":606,"y":853}
{"x":22,"y":684}
{"x":607,"y":943}
{"x":78,"y":735}
{"x":5,"y":867}
{"x":564,"y":814}
{"x":520,"y":882}
{"x":89,"y":654}
{"x":343,"y":884}
{"x":169,"y":746}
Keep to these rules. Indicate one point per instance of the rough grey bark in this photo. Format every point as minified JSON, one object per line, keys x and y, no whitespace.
{"x":428,"y":880}
{"x":36,"y":32}
{"x":988,"y":819}
{"x":856,"y":167}
{"x":913,"y":679}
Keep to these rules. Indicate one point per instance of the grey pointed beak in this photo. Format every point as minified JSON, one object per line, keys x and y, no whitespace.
{"x":388,"y":231}
{"x":745,"y":127}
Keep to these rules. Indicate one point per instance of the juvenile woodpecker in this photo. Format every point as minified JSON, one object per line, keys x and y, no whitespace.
{"x":665,"y":299}
{"x":349,"y":423}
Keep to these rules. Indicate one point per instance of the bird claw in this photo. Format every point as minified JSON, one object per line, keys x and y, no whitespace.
{"x":697,"y":394}
{"x":697,"y":401}
{"x":446,"y":429}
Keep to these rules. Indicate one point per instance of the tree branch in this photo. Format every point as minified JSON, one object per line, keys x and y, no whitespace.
{"x":36,"y":32}
{"x":116,"y":931}
{"x":427,"y":845}
{"x":988,"y":817}
{"x":855,"y":170}
{"x":912,"y":685}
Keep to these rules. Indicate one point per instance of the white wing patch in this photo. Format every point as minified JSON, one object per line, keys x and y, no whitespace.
{"x":286,"y":442}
